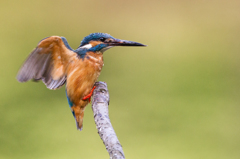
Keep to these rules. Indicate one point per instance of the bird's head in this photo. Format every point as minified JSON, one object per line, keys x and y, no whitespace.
{"x":100,"y":42}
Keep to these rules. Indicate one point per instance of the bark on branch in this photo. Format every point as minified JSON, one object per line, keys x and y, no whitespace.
{"x":100,"y":102}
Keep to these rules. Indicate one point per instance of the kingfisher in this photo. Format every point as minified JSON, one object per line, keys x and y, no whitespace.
{"x":55,"y":63}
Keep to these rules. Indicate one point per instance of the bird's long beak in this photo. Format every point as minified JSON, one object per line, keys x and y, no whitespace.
{"x":118,"y":42}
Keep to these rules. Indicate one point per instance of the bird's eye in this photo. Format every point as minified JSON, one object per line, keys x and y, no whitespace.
{"x":102,"y":39}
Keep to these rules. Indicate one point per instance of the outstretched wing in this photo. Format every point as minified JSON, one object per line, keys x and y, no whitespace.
{"x":48,"y":62}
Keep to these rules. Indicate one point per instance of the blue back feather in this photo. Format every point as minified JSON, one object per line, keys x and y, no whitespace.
{"x":66,"y":43}
{"x":81,"y":52}
{"x":70,"y":104}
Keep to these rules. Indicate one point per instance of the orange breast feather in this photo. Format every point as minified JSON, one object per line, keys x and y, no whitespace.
{"x":81,"y":76}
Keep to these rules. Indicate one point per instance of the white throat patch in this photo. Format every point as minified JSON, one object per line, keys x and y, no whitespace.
{"x":106,"y":48}
{"x":87,"y":46}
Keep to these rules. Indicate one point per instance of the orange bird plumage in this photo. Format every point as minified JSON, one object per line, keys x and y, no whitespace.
{"x":55,"y":63}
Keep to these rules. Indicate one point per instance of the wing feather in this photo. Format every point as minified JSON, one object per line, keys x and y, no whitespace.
{"x":47,"y":62}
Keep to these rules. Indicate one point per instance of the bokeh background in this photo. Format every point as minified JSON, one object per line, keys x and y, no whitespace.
{"x":177,"y":98}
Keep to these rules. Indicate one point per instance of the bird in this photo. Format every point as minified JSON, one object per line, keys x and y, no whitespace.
{"x":55,"y":63}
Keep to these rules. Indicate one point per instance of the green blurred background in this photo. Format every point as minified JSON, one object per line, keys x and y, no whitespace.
{"x":177,"y":98}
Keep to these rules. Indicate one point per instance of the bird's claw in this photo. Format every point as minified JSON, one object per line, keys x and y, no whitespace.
{"x":89,"y":95}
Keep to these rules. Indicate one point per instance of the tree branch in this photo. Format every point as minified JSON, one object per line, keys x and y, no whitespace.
{"x":100,"y":102}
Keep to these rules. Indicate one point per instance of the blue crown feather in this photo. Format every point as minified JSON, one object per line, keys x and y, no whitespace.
{"x":94,"y":36}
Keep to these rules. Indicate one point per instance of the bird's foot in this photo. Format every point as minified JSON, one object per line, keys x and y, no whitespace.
{"x":89,"y":95}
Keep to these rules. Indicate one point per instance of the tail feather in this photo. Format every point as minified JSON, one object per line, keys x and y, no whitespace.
{"x":79,"y":125}
{"x":79,"y":114}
